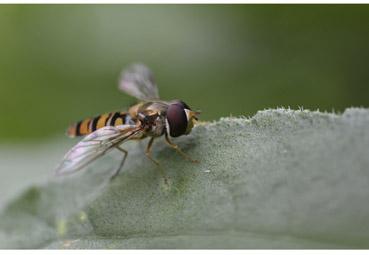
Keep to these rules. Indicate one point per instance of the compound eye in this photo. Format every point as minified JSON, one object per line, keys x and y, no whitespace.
{"x":180,"y":102}
{"x":177,"y":119}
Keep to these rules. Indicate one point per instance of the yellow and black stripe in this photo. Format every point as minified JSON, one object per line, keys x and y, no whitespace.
{"x":89,"y":125}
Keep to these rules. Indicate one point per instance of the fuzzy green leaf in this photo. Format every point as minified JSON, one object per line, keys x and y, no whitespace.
{"x":281,"y":179}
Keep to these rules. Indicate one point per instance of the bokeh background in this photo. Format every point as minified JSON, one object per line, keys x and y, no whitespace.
{"x":60,"y":63}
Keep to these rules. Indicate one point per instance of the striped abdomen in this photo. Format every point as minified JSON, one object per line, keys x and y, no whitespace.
{"x":89,"y":125}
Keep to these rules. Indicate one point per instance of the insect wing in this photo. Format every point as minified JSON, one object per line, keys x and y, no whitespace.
{"x":138,"y":81}
{"x":93,"y":146}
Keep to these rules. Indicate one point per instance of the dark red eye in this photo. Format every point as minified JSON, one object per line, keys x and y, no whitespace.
{"x":180,"y":102}
{"x":177,"y":119}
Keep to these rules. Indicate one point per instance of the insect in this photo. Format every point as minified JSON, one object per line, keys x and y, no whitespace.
{"x":150,"y":118}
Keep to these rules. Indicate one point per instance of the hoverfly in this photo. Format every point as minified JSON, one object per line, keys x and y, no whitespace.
{"x":150,"y":118}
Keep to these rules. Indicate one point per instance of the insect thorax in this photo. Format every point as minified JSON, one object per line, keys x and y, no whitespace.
{"x":157,"y":126}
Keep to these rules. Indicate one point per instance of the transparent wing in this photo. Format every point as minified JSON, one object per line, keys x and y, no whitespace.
{"x":138,"y":81}
{"x":95,"y":145}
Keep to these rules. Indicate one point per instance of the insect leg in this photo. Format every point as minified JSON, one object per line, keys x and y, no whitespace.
{"x":121,"y":163}
{"x":180,"y":152}
{"x":148,"y":151}
{"x":148,"y":154}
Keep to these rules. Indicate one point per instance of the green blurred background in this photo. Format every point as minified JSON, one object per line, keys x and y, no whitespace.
{"x":60,"y":63}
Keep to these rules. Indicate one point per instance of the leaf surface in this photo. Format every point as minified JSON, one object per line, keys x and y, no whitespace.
{"x":281,"y":179}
